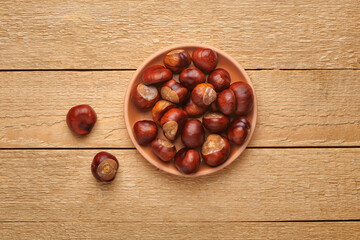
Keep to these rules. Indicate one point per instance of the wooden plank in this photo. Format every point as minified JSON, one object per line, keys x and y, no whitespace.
{"x":179,"y":230}
{"x":112,"y":34}
{"x":262,"y":185}
{"x":296,"y":108}
{"x":307,"y":108}
{"x":34,"y":107}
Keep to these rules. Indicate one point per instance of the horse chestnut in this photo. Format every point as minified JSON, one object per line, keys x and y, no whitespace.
{"x":144,"y":97}
{"x":160,"y":108}
{"x":174,"y":92}
{"x":145,"y":131}
{"x":156,"y":74}
{"x":104,"y":166}
{"x":238,"y":130}
{"x":244,"y":97}
{"x":172,"y":122}
{"x":220,"y":79}
{"x":203,"y":95}
{"x":81,"y":119}
{"x":226,"y":102}
{"x":205,"y":59}
{"x":177,"y":60}
{"x":191,"y":77}
{"x":163,"y":149}
{"x":192,"y":109}
{"x":215,"y":122}
{"x":193,"y":134}
{"x":216,"y":150}
{"x":187,"y":160}
{"x":214,"y":106}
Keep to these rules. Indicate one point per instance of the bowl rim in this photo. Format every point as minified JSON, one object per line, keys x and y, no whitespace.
{"x":129,"y":127}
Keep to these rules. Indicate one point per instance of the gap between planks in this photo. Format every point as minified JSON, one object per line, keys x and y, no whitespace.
{"x":131,"y":69}
{"x":129,"y":148}
{"x":279,"y":221}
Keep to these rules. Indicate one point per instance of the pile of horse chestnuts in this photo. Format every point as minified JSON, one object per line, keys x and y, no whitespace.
{"x":201,"y":106}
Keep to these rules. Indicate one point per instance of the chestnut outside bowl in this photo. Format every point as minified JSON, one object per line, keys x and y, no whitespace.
{"x":132,"y":114}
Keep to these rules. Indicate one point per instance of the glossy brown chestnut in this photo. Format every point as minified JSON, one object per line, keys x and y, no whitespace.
{"x":226,"y":102}
{"x":244,"y":97}
{"x":238,"y":130}
{"x":205,"y":59}
{"x":177,"y":60}
{"x":193,"y":134}
{"x":160,"y":108}
{"x":156,"y":74}
{"x":174,"y":92}
{"x":214,"y":106}
{"x":144,"y":97}
{"x":104,"y":166}
{"x":192,"y":109}
{"x":203,"y":95}
{"x":220,"y":79}
{"x":215,"y":122}
{"x":81,"y":119}
{"x":145,"y":131}
{"x":173,"y":122}
{"x":187,"y":160}
{"x":191,"y":77}
{"x":163,"y":149}
{"x":215,"y":150}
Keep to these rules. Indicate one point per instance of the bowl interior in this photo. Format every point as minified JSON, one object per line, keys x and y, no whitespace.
{"x":132,"y":114}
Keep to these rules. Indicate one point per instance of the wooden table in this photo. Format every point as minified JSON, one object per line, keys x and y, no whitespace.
{"x":299,"y":178}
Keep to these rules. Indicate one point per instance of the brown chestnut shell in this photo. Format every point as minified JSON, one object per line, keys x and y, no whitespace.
{"x":160,"y":108}
{"x":215,"y":150}
{"x":174,"y":92}
{"x":187,"y":160}
{"x":205,"y":59}
{"x":244,"y":97}
{"x":104,"y":166}
{"x":238,"y":130}
{"x":191,"y":77}
{"x":215,"y":122}
{"x":220,"y":79}
{"x":81,"y":119}
{"x":226,"y":102}
{"x":177,"y":60}
{"x":145,"y":131}
{"x":163,"y":149}
{"x":214,"y":106}
{"x":144,"y":97}
{"x":173,"y":122}
{"x":192,"y":109}
{"x":156,"y":74}
{"x":203,"y":95}
{"x":193,"y":134}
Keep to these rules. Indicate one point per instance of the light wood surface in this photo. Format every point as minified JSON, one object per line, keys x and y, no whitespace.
{"x":262,"y":185}
{"x":299,"y":179}
{"x":296,"y":108}
{"x":180,"y":230}
{"x":112,"y":34}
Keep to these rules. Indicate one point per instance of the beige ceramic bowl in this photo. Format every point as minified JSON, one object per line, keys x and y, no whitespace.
{"x":132,"y":114}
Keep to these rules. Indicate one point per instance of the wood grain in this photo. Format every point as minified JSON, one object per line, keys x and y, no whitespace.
{"x":112,"y":34}
{"x":268,"y":193}
{"x":176,"y":230}
{"x":262,"y":185}
{"x":295,"y":108}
